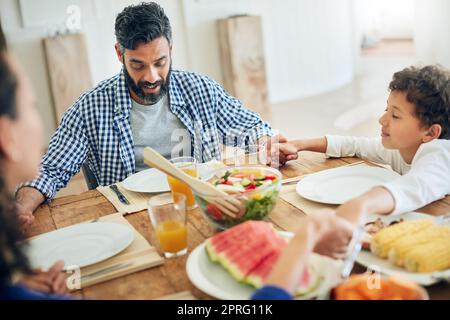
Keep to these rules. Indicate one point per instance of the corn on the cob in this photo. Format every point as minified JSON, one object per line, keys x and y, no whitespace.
{"x":401,"y":247}
{"x":383,"y":240}
{"x":429,"y":257}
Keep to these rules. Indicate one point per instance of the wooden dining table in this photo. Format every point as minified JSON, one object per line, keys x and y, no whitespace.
{"x":170,"y":279}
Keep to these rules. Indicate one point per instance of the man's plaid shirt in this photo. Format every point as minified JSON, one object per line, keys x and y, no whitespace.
{"x":96,"y":129}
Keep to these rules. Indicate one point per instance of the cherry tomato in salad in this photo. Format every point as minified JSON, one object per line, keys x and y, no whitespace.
{"x":214,"y":211}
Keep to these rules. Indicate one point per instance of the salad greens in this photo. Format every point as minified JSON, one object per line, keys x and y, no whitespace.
{"x":240,"y":183}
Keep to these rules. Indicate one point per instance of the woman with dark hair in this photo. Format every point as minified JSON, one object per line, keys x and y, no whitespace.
{"x":20,"y":152}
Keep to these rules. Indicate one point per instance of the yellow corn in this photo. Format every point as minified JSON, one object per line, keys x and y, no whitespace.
{"x":401,"y":247}
{"x":383,"y":240}
{"x":429,"y":257}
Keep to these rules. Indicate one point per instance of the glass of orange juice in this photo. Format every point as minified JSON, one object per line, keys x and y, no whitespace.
{"x":188,"y":165}
{"x":168,"y":217}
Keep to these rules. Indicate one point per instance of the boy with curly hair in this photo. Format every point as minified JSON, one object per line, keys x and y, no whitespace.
{"x":415,"y":142}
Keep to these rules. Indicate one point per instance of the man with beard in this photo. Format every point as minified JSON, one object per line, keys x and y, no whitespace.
{"x":146,"y":104}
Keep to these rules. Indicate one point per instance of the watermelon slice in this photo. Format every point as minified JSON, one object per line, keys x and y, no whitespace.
{"x":236,"y":236}
{"x":241,"y":248}
{"x":259,"y":274}
{"x":249,"y":251}
{"x":309,"y":282}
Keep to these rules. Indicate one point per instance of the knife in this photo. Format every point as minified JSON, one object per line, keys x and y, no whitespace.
{"x":106,"y":270}
{"x":119,"y":194}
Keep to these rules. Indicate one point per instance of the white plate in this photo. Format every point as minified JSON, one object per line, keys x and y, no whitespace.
{"x":368,"y":259}
{"x":336,"y":186}
{"x":154,"y":181}
{"x":214,"y":280}
{"x":79,"y":245}
{"x":150,"y":180}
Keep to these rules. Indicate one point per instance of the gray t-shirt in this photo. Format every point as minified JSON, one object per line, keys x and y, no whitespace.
{"x":157,"y":127}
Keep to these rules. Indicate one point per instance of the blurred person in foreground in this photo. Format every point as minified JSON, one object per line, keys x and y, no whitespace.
{"x":20,"y":152}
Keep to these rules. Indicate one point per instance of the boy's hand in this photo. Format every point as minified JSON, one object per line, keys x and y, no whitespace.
{"x":283,"y":152}
{"x":290,"y":150}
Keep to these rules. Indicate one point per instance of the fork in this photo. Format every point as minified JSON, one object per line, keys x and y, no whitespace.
{"x":352,"y":253}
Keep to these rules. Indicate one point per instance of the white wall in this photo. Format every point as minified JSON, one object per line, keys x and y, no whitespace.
{"x":308,"y":44}
{"x":26,"y":22}
{"x":432,"y":32}
{"x":385,"y":19}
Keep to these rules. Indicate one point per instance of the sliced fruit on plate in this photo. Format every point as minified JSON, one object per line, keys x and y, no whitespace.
{"x":309,"y":282}
{"x":240,"y":248}
{"x":249,"y":252}
{"x":257,"y":276}
{"x":236,"y":236}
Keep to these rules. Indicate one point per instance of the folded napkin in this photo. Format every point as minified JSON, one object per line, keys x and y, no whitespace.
{"x":138,"y":200}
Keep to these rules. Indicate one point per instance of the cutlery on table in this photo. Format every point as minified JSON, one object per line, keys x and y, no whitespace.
{"x":115,"y":267}
{"x":353,"y":251}
{"x":291,"y":180}
{"x":119,"y":194}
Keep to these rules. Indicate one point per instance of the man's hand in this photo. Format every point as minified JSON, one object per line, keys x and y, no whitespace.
{"x":52,"y":281}
{"x":24,"y":216}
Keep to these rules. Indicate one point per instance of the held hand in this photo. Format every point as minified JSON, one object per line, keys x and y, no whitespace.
{"x":277,"y":153}
{"x":284,"y":152}
{"x":267,"y":143}
{"x":52,"y":281}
